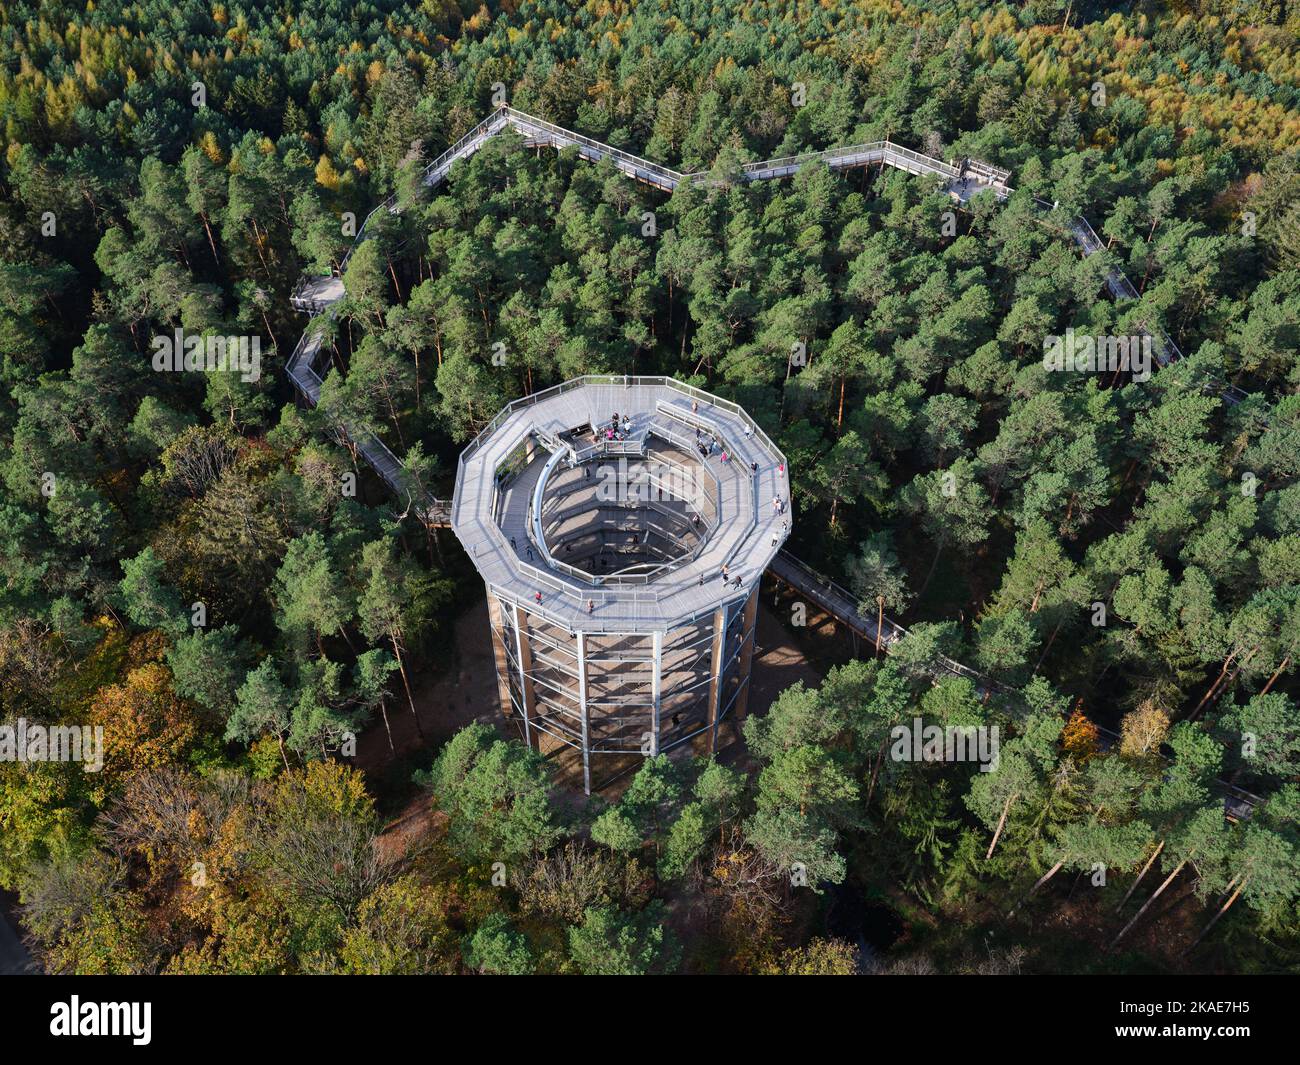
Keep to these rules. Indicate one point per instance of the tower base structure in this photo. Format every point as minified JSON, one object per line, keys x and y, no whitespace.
{"x":622,"y":526}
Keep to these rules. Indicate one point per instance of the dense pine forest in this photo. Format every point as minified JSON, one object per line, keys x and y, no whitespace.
{"x":196,"y":563}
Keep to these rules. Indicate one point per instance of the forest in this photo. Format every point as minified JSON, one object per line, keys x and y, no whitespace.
{"x":196,"y":564}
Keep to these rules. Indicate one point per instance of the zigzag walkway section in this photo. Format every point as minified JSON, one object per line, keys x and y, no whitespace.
{"x":319,"y":296}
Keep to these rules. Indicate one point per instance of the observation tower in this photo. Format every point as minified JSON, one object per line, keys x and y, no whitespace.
{"x":622,"y":560}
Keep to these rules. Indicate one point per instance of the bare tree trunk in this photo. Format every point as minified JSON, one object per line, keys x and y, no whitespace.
{"x":211,"y":243}
{"x":397,"y":650}
{"x":1227,"y":683}
{"x":880,"y":759}
{"x":1039,"y":883}
{"x":1001,"y":823}
{"x":1277,"y":673}
{"x":1146,"y":905}
{"x":1215,"y":919}
{"x":393,"y":274}
{"x":1223,"y":672}
{"x":1050,"y":640}
{"x":1133,"y":886}
{"x":383,"y":709}
{"x":1038,"y":594}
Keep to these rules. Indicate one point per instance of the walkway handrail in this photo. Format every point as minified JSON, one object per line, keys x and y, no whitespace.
{"x":890,"y":630}
{"x":519,"y":118}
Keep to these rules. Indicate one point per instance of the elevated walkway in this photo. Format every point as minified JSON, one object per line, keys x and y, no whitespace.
{"x":842,"y":605}
{"x":319,"y":297}
{"x":962,"y":181}
{"x":314,"y":295}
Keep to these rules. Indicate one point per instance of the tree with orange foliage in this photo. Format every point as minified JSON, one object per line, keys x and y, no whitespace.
{"x":146,"y":724}
{"x":1079,"y":737}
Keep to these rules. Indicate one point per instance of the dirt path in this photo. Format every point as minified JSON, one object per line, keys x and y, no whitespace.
{"x":446,"y":699}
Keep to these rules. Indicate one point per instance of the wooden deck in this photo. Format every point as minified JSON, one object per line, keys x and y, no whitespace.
{"x":492,"y":516}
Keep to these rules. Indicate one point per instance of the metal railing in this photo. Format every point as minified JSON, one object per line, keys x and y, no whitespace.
{"x":890,"y":631}
{"x":525,"y":122}
{"x":537,"y":532}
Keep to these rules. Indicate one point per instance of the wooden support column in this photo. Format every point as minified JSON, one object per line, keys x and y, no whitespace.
{"x":715,"y":680}
{"x":749,"y":634}
{"x":582,"y":707}
{"x":657,"y":689}
{"x":497,"y":623}
{"x":524,"y":653}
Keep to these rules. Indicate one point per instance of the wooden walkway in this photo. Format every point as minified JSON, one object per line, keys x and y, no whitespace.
{"x":843,"y":606}
{"x":962,"y":181}
{"x":320,"y":297}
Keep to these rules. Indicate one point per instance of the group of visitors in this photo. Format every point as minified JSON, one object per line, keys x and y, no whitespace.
{"x":617,"y":429}
{"x":706,"y":444}
{"x":727,"y":578}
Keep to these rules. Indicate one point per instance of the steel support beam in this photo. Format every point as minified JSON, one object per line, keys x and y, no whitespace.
{"x":524,"y":657}
{"x":497,"y":623}
{"x":715,"y":679}
{"x":749,"y":635}
{"x":656,"y":689}
{"x":582,"y":707}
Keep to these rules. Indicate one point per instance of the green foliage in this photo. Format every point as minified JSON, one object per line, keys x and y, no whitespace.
{"x":495,"y":794}
{"x":612,"y":943}
{"x":497,"y":949}
{"x":1126,"y":543}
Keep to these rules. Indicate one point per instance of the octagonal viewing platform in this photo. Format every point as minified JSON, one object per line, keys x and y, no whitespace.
{"x":529,"y":512}
{"x":622,"y":526}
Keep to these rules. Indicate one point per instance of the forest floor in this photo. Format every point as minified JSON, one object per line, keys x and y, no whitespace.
{"x":454,"y":692}
{"x":14,"y":958}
